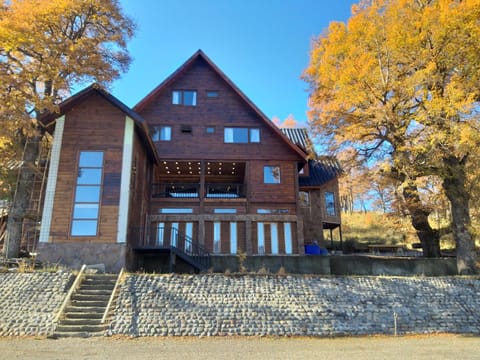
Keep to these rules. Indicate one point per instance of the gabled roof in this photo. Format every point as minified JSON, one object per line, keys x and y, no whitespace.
{"x":320,"y":171}
{"x":299,"y":136}
{"x":187,"y":65}
{"x":48,"y":119}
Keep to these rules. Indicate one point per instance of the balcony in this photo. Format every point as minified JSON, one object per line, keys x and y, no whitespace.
{"x":192,"y":190}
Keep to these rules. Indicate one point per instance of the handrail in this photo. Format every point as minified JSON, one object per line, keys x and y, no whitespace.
{"x":190,"y":248}
{"x":112,"y":296}
{"x":70,"y":292}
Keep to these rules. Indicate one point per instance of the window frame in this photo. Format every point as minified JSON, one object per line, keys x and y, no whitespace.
{"x":249,"y":135}
{"x":265,"y":167}
{"x":158,"y":131}
{"x":330,"y":205}
{"x":179,"y":97}
{"x":78,"y":218}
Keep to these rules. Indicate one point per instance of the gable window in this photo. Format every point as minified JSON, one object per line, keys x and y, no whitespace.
{"x":162,"y":133}
{"x":87,"y":194}
{"x":241,"y":135}
{"x":212,"y":94}
{"x":330,"y":203}
{"x":271,"y":174}
{"x":184,"y":97}
{"x":210,"y":130}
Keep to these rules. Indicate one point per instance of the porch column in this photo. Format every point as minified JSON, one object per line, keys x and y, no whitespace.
{"x":201,"y":192}
{"x":248,"y":236}
{"x":300,"y":238}
{"x":201,"y":230}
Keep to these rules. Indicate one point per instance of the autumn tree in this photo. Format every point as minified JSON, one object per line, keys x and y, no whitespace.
{"x":400,"y":81}
{"x":47,"y":47}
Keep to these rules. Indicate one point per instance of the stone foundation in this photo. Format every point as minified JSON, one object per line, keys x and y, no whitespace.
{"x":74,"y":255}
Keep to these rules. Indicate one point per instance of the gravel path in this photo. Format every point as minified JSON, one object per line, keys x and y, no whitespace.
{"x":371,"y":348}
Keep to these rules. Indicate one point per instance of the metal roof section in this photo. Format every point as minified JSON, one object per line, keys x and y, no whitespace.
{"x":322,"y":169}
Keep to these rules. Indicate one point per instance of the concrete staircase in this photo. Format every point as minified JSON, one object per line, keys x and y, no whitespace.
{"x":83,"y":316}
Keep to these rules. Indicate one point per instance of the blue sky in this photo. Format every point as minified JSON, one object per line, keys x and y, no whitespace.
{"x":261,"y":45}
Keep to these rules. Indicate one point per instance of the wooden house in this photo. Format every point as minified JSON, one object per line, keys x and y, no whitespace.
{"x":195,"y":169}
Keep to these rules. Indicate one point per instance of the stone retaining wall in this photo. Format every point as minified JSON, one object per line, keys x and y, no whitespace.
{"x":30,"y":302}
{"x":217,"y":305}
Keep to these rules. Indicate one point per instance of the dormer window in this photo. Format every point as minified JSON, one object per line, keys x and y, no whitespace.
{"x":184,"y":97}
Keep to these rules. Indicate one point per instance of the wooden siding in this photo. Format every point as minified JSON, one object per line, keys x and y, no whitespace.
{"x":93,"y":125}
{"x":226,"y":110}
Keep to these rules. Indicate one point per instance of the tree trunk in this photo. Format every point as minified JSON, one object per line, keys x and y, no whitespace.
{"x":457,"y":194}
{"x":21,"y":200}
{"x":429,"y":238}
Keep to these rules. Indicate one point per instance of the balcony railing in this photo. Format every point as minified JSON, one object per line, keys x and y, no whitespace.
{"x":224,"y":191}
{"x":192,"y":190}
{"x":175,"y":190}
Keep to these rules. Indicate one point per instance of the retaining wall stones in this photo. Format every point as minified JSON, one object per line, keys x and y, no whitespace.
{"x":30,"y":302}
{"x":217,"y":305}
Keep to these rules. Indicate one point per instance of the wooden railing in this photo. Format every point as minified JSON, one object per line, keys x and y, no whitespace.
{"x":192,"y":190}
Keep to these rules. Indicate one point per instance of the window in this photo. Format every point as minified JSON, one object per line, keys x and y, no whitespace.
{"x":254,"y":135}
{"x":241,"y":135}
{"x":162,"y":133}
{"x":176,"y":211}
{"x":217,"y":227}
{"x":330,"y":203}
{"x":274,"y":238}
{"x":224,"y":211}
{"x":210,"y":130}
{"x":233,"y":237}
{"x":87,"y":194}
{"x":287,"y":230}
{"x":212,"y":94}
{"x":260,"y":238}
{"x":304,"y":198}
{"x":184,"y":97}
{"x":271,"y":174}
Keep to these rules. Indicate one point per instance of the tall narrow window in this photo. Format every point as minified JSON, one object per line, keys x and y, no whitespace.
{"x":217,"y":229}
{"x":87,"y":194}
{"x":173,"y":234}
{"x":271,"y":174}
{"x":233,"y":237}
{"x":274,"y":238}
{"x":287,"y":229}
{"x":330,"y":203}
{"x":189,"y":237}
{"x":261,"y":238}
{"x":160,"y":233}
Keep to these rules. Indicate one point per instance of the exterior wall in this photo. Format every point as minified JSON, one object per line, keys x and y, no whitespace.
{"x":228,"y":109}
{"x":141,"y":174}
{"x":315,"y":216}
{"x":93,"y":125}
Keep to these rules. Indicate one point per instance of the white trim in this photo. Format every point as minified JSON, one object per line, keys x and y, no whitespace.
{"x":52,"y":180}
{"x":125,"y":181}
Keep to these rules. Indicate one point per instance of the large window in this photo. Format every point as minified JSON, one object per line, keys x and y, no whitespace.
{"x":271,"y":174}
{"x":162,"y":133}
{"x":87,"y":194}
{"x":239,"y":135}
{"x":184,"y":97}
{"x":330,"y":203}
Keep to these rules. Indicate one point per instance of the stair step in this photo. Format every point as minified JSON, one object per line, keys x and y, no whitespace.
{"x":89,"y":303}
{"x":102,"y":291}
{"x":78,"y":334}
{"x":80,"y":328}
{"x":90,"y":297}
{"x":79,"y":322}
{"x":85,"y":309}
{"x":83,"y":315}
